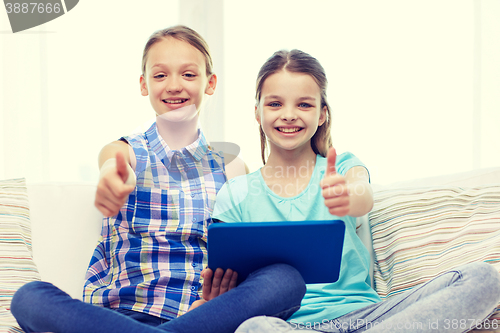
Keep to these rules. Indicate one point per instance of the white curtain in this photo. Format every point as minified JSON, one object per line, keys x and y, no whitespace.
{"x":70,"y":86}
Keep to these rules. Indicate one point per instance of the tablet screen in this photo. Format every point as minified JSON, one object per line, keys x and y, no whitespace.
{"x":314,"y":248}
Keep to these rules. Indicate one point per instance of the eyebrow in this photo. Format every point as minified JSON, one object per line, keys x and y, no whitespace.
{"x":186,"y":65}
{"x":303,"y":98}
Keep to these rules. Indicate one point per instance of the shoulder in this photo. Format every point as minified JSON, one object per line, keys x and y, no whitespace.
{"x":134,"y":139}
{"x":229,"y":151}
{"x":234,"y":166}
{"x":238,"y":187}
{"x":232,"y":195}
{"x":111,"y":149}
{"x":242,"y":181}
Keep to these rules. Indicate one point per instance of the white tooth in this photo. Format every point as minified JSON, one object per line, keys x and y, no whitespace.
{"x":289,"y":130}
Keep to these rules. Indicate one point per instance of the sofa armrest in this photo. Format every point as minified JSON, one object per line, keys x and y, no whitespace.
{"x":363,"y":231}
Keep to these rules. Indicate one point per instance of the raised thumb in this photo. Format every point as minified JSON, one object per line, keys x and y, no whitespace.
{"x":121,"y":166}
{"x":331,"y":158}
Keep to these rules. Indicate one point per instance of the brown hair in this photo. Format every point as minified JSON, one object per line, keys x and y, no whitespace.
{"x":296,"y":61}
{"x":185,"y":34}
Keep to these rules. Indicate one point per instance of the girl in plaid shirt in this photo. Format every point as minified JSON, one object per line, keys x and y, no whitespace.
{"x":157,"y":191}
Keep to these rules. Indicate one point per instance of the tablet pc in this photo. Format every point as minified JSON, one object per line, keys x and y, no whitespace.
{"x":314,"y":248}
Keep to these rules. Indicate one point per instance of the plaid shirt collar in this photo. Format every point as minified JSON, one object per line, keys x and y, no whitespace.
{"x":196,"y":150}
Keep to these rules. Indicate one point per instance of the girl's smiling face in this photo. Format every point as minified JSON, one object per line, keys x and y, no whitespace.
{"x":290,"y":110}
{"x":175,"y":79}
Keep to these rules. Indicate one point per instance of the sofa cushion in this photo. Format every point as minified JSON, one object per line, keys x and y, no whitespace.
{"x":419,"y":233}
{"x":16,"y":262}
{"x":66,"y":227}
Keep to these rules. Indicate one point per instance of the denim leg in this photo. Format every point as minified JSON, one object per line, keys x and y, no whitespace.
{"x":42,"y":307}
{"x":142,"y":317}
{"x":276,"y":290}
{"x":453,"y":302}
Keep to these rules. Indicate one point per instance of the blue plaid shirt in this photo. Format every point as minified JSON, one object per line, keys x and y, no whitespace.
{"x":151,"y":254}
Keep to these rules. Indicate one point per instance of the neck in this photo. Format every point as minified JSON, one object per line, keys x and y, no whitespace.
{"x":292,"y":159}
{"x":177,"y":135}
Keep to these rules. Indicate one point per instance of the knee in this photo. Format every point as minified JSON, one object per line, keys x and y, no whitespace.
{"x":28,"y":297}
{"x":484,"y":273}
{"x":490,"y":276}
{"x":286,"y":279}
{"x":486,"y":280}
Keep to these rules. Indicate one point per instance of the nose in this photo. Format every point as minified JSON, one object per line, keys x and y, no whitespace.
{"x":288,"y":114}
{"x":173,"y":84}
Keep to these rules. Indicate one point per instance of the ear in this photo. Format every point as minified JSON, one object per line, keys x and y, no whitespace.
{"x":212,"y":83}
{"x":257,"y":114}
{"x":322,"y":116}
{"x":144,"y":87}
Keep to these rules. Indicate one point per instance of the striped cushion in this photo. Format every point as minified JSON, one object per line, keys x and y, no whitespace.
{"x":419,"y":233}
{"x":16,"y":263}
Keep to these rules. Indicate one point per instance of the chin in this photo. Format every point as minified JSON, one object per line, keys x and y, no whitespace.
{"x":183,"y":114}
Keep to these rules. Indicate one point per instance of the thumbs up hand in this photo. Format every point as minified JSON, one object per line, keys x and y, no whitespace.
{"x":334,"y":188}
{"x":116,"y":181}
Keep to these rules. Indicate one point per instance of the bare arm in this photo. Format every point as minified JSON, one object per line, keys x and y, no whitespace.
{"x":360,"y":191}
{"x":116,"y":179}
{"x":110,"y":150}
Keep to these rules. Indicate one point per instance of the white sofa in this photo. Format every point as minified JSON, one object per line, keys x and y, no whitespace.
{"x":65,"y":228}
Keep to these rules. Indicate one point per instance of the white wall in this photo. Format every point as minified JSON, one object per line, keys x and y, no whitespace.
{"x":490,"y":83}
{"x":413,"y":84}
{"x":401,"y":78}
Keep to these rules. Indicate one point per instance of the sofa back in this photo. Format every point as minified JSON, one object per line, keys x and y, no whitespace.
{"x":65,"y":229}
{"x":66,"y":225}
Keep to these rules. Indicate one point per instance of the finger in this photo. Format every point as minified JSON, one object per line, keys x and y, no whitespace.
{"x":234,"y":281}
{"x":331,"y":158}
{"x":105,"y":199}
{"x":207,"y":283}
{"x":105,"y":211}
{"x":341,"y":202}
{"x":224,"y":286}
{"x":115,"y":190}
{"x":332,"y":180}
{"x":121,"y":166}
{"x":216,"y":282}
{"x":110,"y":207}
{"x":121,"y":192}
{"x":112,"y":192}
{"x":337,"y":191}
{"x":214,"y":291}
{"x":339,"y":211}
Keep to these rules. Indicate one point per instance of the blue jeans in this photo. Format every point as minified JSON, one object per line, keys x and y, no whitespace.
{"x":276,"y":290}
{"x":456,"y":301}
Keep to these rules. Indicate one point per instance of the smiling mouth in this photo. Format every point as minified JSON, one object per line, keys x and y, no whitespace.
{"x":289,"y":129}
{"x":175,"y":101}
